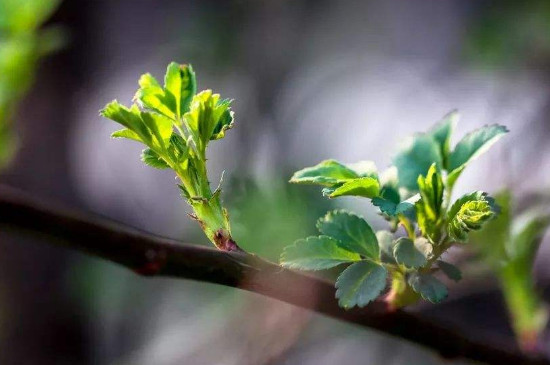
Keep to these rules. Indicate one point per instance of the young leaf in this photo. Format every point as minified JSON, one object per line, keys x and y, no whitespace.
{"x":415,"y":159}
{"x":159,"y":125}
{"x":428,"y":287}
{"x":225,"y":122}
{"x":471,"y":146}
{"x":151,"y":96}
{"x":316,"y":253}
{"x":450,"y":270}
{"x":204,"y":116}
{"x":178,"y":148}
{"x":360,"y":283}
{"x":442,"y":132}
{"x":129,"y":118}
{"x":469,"y":213}
{"x":428,"y":209}
{"x":431,"y":191}
{"x":126,"y":133}
{"x":367,"y":187}
{"x":328,"y":173}
{"x":180,"y":86}
{"x":151,"y":158}
{"x":351,"y":231}
{"x":406,"y":253}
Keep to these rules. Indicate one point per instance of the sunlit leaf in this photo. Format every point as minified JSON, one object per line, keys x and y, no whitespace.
{"x":366,"y":187}
{"x":328,"y":173}
{"x":469,"y":213}
{"x":126,"y":133}
{"x":353,"y":233}
{"x":316,"y":253}
{"x":151,"y":158}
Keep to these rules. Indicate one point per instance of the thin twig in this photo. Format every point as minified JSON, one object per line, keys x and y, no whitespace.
{"x":150,"y":255}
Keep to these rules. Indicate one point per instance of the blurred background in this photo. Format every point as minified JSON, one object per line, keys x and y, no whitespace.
{"x":311,"y":80}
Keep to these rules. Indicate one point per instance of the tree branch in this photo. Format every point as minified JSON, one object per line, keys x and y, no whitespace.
{"x":150,"y":255}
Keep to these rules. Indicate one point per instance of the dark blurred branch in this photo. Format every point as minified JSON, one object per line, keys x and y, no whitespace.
{"x":150,"y":255}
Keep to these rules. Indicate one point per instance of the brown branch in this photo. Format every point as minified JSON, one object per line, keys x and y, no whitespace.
{"x":146,"y":254}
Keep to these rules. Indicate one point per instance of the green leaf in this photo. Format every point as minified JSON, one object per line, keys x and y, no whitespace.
{"x":126,"y":133}
{"x":442,"y":133}
{"x":428,"y":209}
{"x":386,"y":206}
{"x":147,"y":80}
{"x":389,"y":207}
{"x":204,"y":117}
{"x":407,"y":205}
{"x":151,"y":96}
{"x":469,"y":213}
{"x":225,"y":122}
{"x":453,"y":176}
{"x":316,"y":253}
{"x":351,"y":231}
{"x":390,"y":193}
{"x":180,"y":86}
{"x":172,"y":100}
{"x":151,"y":158}
{"x":388,"y":200}
{"x":450,"y":270}
{"x":328,"y":173}
{"x":140,"y":126}
{"x":360,"y":283}
{"x":493,"y":239}
{"x":178,"y":148}
{"x":158,"y":125}
{"x":474,"y":144}
{"x":386,"y":244}
{"x":415,"y":158}
{"x":406,"y":253}
{"x":129,"y":118}
{"x":431,"y":191}
{"x":426,"y":226}
{"x":430,"y":288}
{"x":367,"y":187}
